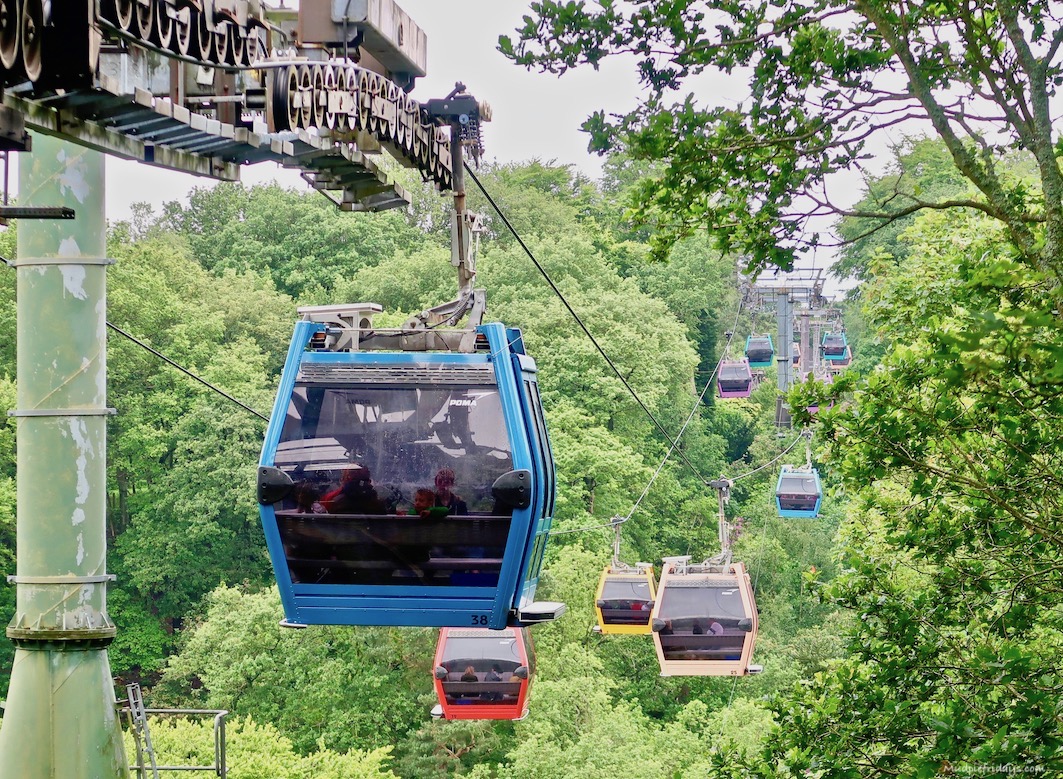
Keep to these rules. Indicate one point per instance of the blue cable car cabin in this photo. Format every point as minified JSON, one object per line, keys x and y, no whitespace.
{"x":834,"y":346}
{"x":760,"y":351}
{"x":841,"y":363}
{"x":735,"y":379}
{"x":798,"y":492}
{"x":407,"y":488}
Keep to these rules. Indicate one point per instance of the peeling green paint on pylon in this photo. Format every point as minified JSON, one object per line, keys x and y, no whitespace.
{"x":60,"y":718}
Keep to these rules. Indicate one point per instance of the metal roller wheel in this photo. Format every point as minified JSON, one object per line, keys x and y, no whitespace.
{"x":318,"y":96}
{"x":222,"y":49}
{"x":9,"y":33}
{"x":109,"y":11}
{"x":221,"y":46}
{"x":257,"y":48}
{"x":123,"y":14}
{"x":345,"y":82}
{"x":375,"y":90}
{"x":31,"y":28}
{"x":145,"y":19}
{"x":278,"y":106}
{"x":403,"y":122}
{"x":330,"y":82}
{"x":237,"y":47}
{"x":162,"y":31}
{"x":288,"y":86}
{"x":391,"y":124}
{"x":304,"y":88}
{"x":365,"y":100}
{"x":203,"y":38}
{"x":183,"y":32}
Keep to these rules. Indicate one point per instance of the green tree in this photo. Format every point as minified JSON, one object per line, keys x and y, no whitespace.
{"x":825,"y":79}
{"x":298,"y":239}
{"x":952,"y":549}
{"x":332,"y":687}
{"x":255,"y":751}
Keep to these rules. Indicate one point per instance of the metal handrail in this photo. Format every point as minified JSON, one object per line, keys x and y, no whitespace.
{"x":219,"y":767}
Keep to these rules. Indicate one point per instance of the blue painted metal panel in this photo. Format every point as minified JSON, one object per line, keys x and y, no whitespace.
{"x":457,"y":605}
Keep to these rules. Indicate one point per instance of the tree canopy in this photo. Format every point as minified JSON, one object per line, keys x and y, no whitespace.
{"x":826,"y":80}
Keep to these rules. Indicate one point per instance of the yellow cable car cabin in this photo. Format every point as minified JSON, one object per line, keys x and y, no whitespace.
{"x":625,"y":598}
{"x":704,"y":619}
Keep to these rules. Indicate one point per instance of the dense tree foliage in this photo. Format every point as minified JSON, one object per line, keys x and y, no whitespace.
{"x":952,"y":545}
{"x":826,"y":79}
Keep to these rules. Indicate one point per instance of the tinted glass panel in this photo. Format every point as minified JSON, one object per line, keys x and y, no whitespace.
{"x":685,"y":603}
{"x":631,"y":590}
{"x":481,"y":652}
{"x":393,"y":485}
{"x":797,"y":484}
{"x":734,"y":373}
{"x":626,"y":602}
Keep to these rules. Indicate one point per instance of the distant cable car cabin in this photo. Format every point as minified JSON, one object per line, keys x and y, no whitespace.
{"x":840,"y":364}
{"x":735,"y":379}
{"x":625,"y":599}
{"x":705,"y":619}
{"x":833,"y":346}
{"x":798,"y":492}
{"x":483,"y":674}
{"x":795,"y":350}
{"x":406,"y":487}
{"x":760,"y":351}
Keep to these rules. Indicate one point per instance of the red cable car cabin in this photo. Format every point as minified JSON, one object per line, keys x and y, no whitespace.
{"x":483,"y":674}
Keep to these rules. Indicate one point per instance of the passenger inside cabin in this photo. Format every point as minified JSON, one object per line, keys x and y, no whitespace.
{"x":697,"y":630}
{"x":355,"y":495}
{"x":444,"y":497}
{"x":423,"y":501}
{"x":716,"y":628}
{"x":306,"y":499}
{"x":494,"y":675}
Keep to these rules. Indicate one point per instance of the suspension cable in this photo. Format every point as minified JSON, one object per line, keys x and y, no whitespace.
{"x":166,"y":359}
{"x":772,"y":461}
{"x":701,"y":397}
{"x":579,"y":321}
{"x":187,"y":372}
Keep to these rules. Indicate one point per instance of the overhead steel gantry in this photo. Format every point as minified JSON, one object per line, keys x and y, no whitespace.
{"x":205,"y":87}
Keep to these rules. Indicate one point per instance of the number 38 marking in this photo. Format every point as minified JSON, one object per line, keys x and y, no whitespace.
{"x":479,"y":619}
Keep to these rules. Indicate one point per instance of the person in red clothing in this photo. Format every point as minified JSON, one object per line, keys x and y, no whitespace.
{"x":355,"y":495}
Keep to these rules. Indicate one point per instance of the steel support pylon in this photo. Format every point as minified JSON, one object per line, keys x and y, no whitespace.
{"x":60,"y":718}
